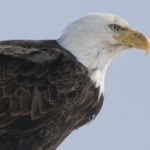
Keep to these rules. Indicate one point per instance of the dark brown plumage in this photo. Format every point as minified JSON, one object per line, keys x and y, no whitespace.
{"x":45,"y":93}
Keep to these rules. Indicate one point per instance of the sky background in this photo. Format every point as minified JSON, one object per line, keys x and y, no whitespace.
{"x":124,"y":121}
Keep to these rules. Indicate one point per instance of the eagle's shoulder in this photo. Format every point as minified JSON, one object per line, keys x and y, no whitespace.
{"x":43,"y":84}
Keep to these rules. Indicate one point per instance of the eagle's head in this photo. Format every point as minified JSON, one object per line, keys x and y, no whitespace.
{"x":97,"y":38}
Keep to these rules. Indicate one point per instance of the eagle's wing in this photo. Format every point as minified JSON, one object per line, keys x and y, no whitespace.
{"x":28,"y":79}
{"x":42,"y":84}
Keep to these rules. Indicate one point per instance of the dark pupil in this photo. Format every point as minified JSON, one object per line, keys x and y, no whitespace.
{"x":114,"y":27}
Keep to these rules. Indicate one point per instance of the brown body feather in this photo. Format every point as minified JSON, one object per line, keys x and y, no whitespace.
{"x":45,"y":93}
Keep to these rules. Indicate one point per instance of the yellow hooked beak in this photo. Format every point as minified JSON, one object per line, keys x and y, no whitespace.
{"x":134,"y":39}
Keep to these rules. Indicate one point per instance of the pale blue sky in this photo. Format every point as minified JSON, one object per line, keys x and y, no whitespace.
{"x":124,"y":121}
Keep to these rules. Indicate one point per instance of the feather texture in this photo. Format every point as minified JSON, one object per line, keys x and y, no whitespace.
{"x":45,"y":93}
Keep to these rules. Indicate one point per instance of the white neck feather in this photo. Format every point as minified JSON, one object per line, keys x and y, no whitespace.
{"x":92,"y":55}
{"x":90,"y":52}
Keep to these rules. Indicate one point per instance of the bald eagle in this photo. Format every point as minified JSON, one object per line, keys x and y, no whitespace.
{"x":48,"y":88}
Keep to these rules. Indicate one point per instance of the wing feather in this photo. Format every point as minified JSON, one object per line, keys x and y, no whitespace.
{"x":43,"y":90}
{"x":23,"y":69}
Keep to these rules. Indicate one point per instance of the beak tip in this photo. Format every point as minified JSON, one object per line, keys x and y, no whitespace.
{"x":148,"y":44}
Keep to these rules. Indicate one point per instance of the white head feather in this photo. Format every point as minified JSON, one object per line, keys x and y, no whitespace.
{"x":91,"y":40}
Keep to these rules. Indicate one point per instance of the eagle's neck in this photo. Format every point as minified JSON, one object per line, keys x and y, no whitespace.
{"x":93,"y":53}
{"x":95,"y":56}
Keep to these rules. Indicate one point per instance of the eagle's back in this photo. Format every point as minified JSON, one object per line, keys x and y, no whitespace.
{"x":45,"y":93}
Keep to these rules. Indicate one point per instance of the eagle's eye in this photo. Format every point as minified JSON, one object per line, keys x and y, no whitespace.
{"x":115,"y":27}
